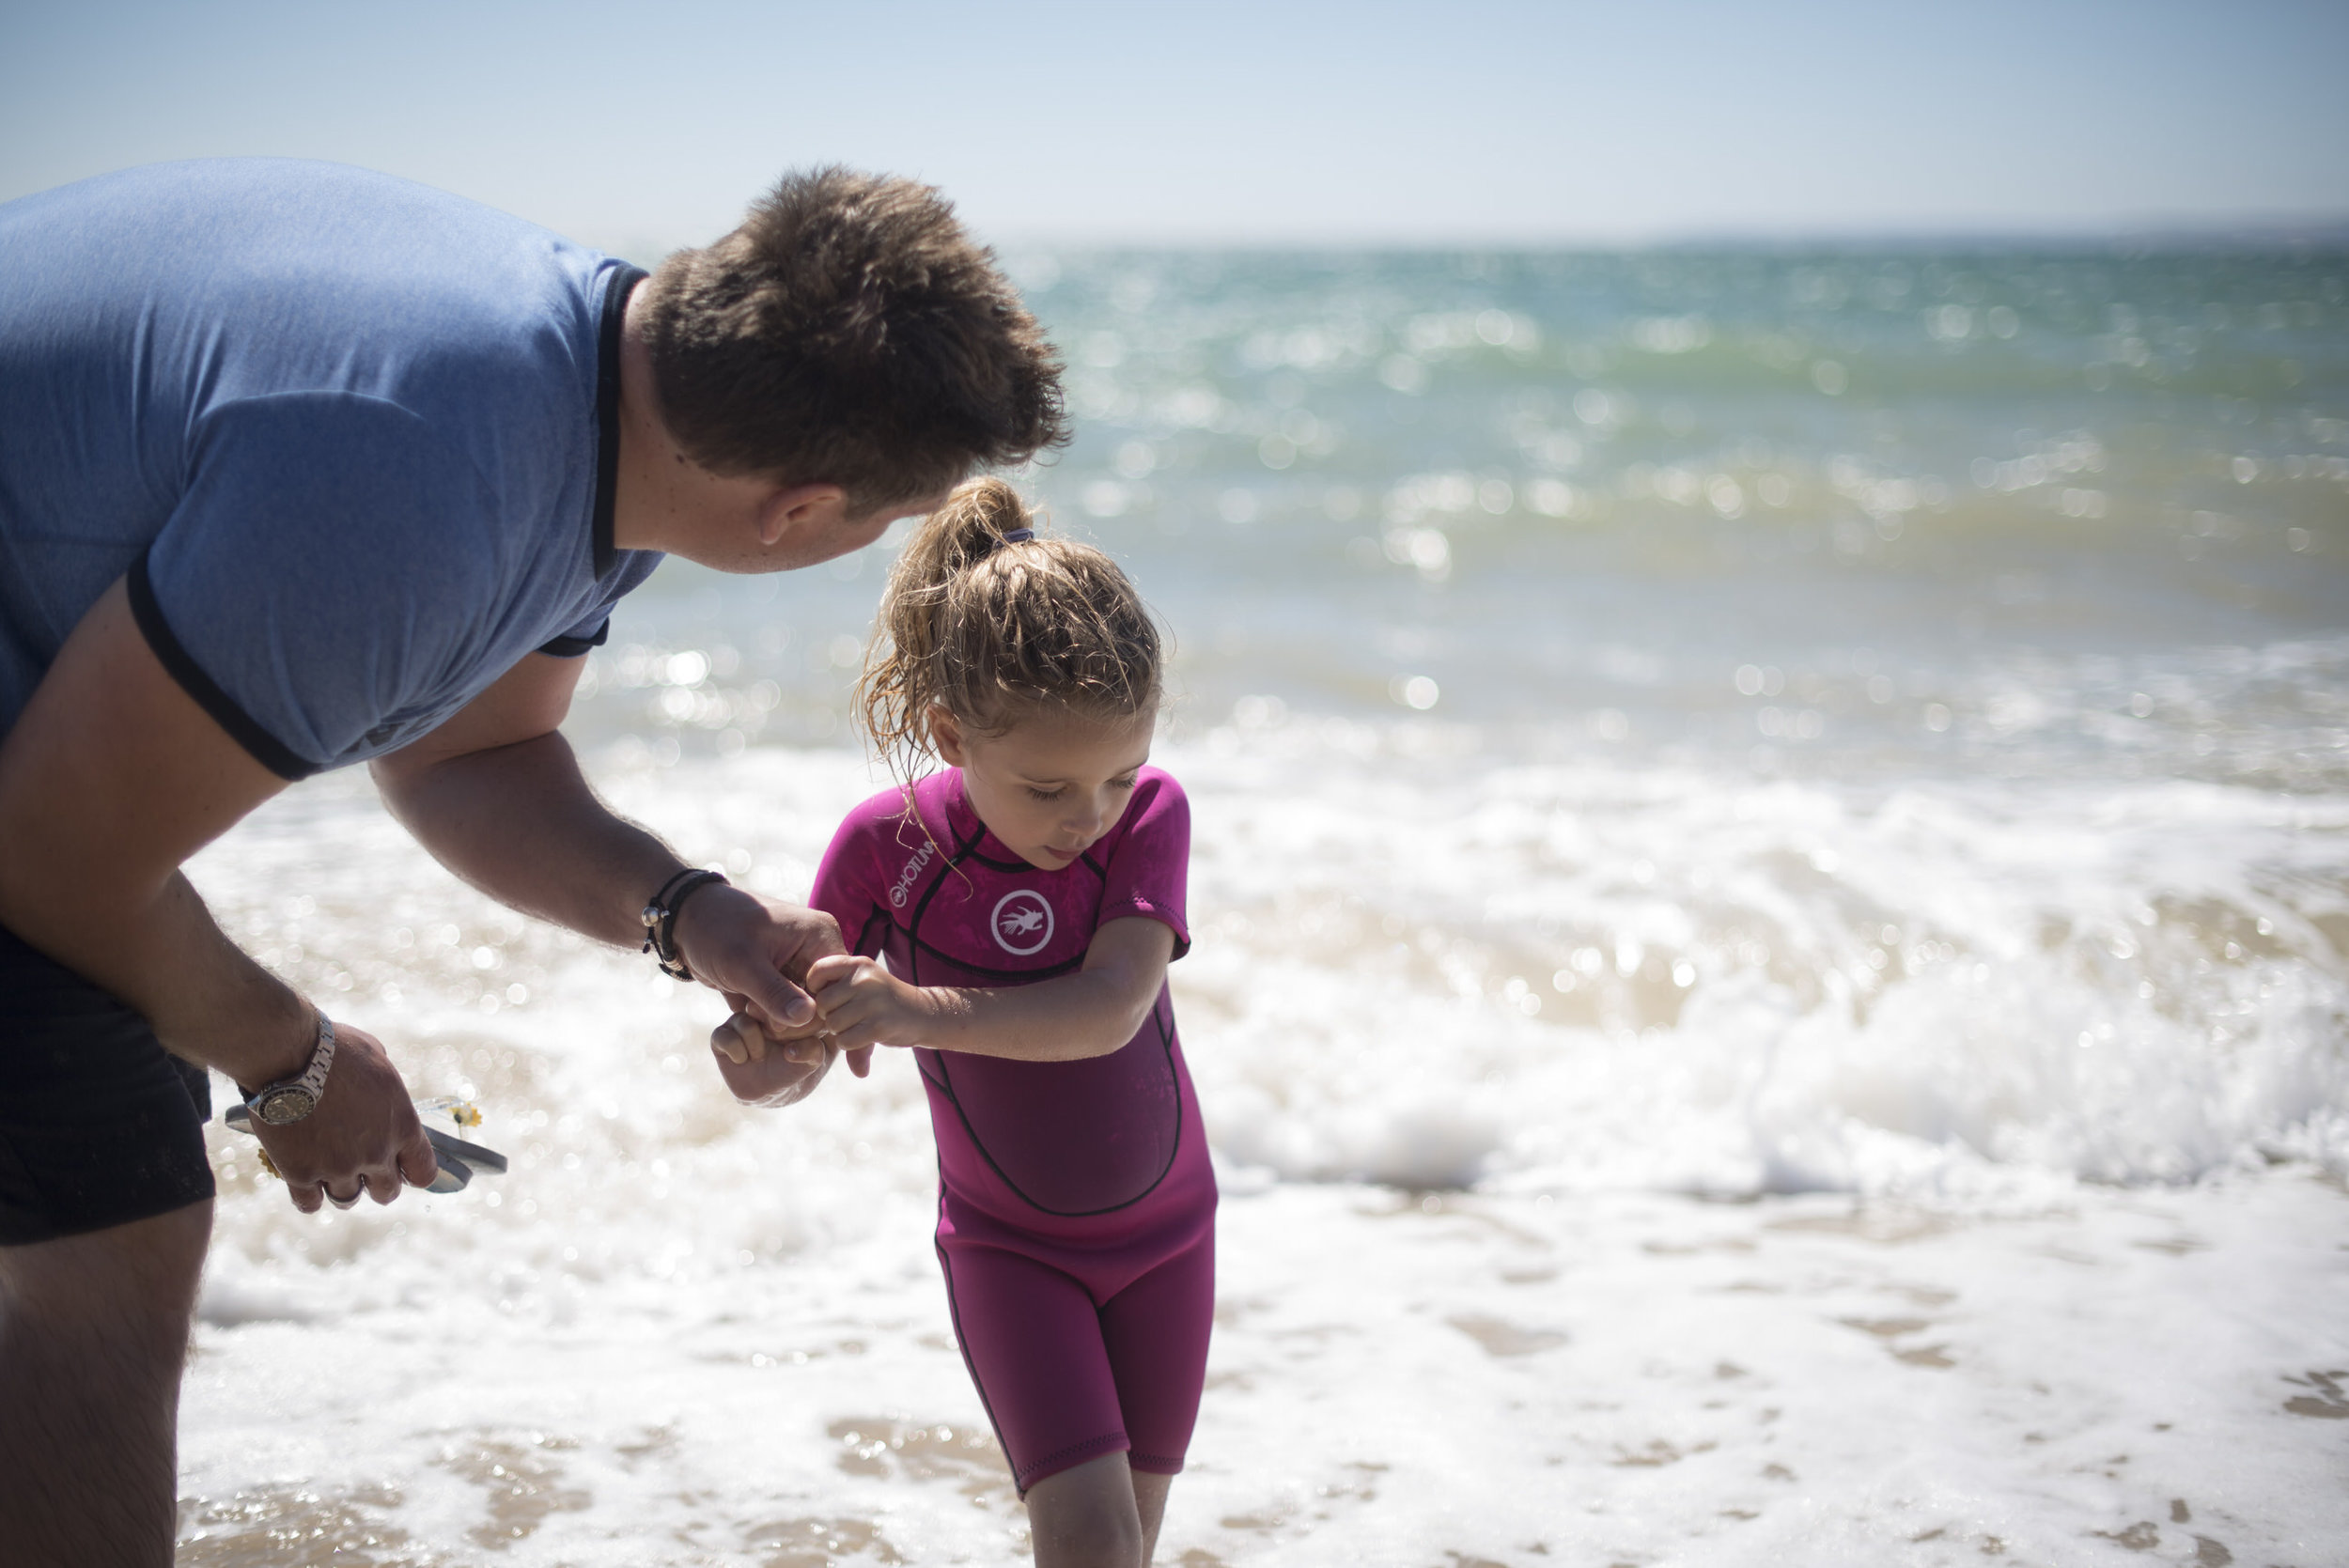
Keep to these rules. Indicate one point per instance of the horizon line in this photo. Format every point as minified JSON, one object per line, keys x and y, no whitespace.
{"x":2189,"y":235}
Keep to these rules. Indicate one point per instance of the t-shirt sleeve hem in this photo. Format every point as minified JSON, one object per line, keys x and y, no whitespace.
{"x":1148,"y":911}
{"x":265,"y":747}
{"x":573,"y":648}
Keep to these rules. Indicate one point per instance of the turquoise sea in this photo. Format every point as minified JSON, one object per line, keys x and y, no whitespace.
{"x":2024,"y":510}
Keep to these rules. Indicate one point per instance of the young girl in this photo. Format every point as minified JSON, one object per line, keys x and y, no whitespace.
{"x":1010,"y":917}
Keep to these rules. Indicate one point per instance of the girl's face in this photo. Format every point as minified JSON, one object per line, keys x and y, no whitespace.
{"x":1051,"y":784}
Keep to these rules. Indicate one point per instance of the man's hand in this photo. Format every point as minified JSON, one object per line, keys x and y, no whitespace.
{"x":762,"y":1070}
{"x":864,"y":1005}
{"x":742,"y":1038}
{"x":755,"y":951}
{"x":363,"y":1136}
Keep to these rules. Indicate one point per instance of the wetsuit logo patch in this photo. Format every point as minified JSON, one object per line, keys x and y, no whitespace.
{"x":898,"y":889}
{"x":1022,"y":922}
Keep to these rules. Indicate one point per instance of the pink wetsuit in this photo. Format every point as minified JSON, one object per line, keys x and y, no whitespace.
{"x":1076,"y":1207}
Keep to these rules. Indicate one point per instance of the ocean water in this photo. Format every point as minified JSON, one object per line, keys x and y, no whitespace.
{"x":1772,"y":980}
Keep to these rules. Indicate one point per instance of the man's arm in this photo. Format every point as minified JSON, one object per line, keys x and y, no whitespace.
{"x":496,"y":794}
{"x":110,"y":778}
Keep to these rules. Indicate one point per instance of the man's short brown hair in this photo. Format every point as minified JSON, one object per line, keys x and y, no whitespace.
{"x":850,"y":333}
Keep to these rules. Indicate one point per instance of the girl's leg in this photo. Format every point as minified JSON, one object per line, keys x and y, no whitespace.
{"x":1150,"y":1502}
{"x":1032,"y":1342}
{"x":1086,"y":1516}
{"x":1155,"y":1333}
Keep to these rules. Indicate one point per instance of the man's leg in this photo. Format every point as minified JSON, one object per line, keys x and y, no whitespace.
{"x":93,"y":1334}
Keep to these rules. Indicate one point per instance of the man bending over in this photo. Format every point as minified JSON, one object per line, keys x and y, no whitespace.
{"x":303,"y":466}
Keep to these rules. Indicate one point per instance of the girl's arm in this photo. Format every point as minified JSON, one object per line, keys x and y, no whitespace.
{"x":1090,"y":1012}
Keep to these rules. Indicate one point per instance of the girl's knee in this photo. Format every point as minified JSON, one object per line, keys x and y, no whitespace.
{"x":1087,"y":1517}
{"x":1095,"y":1542}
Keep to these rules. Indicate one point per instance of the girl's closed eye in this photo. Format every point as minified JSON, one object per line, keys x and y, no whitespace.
{"x":1058,"y":790}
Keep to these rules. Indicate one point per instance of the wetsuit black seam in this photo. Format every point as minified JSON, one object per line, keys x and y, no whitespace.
{"x":962,"y":851}
{"x":944,"y":1080}
{"x":1047,"y":972}
{"x":993,"y":865}
{"x":874,"y":915}
{"x":1174,"y":1147}
{"x":962,"y":1342}
{"x":1165,"y":1006}
{"x":965,"y":851}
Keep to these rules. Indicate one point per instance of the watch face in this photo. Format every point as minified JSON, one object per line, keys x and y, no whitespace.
{"x":284,"y":1103}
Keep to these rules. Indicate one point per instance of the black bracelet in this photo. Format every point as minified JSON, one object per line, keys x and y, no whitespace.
{"x":660,"y":919}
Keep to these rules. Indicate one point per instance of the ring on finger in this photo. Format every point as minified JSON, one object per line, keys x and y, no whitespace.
{"x":342,"y":1203}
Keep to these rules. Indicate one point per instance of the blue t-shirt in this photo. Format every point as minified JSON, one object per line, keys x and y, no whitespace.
{"x":352,"y":441}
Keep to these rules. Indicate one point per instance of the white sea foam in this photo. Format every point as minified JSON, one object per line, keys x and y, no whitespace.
{"x":1772,"y":986}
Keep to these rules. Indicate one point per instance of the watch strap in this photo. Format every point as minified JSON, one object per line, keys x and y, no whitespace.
{"x":312,"y":1077}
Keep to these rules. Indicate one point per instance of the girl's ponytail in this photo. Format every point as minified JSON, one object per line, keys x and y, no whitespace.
{"x":985,"y":620}
{"x":953,"y":539}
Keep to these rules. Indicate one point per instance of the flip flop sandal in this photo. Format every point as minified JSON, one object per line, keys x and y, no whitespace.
{"x":456,"y":1158}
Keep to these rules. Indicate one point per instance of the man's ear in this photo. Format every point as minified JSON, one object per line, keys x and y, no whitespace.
{"x":945,"y":735}
{"x":795,"y":507}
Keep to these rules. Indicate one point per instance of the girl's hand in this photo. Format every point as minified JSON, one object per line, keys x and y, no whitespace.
{"x":864,"y":1005}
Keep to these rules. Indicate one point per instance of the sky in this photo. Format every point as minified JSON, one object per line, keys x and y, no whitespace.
{"x":1281,"y":122}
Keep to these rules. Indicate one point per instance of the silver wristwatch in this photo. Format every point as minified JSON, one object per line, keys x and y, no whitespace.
{"x":288,"y":1101}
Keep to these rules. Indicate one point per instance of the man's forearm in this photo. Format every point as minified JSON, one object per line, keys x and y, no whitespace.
{"x":164,"y":957}
{"x":497,"y":796}
{"x":520,"y":823}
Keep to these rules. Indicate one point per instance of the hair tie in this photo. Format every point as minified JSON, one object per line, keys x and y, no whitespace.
{"x":1016,"y":536}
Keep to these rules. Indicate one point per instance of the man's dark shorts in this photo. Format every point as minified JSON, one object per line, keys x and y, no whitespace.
{"x":99,"y":1124}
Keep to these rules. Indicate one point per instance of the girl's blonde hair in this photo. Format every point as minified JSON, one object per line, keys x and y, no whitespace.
{"x":994,"y":631}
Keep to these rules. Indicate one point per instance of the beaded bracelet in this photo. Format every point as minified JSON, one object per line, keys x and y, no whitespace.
{"x":660,"y":919}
